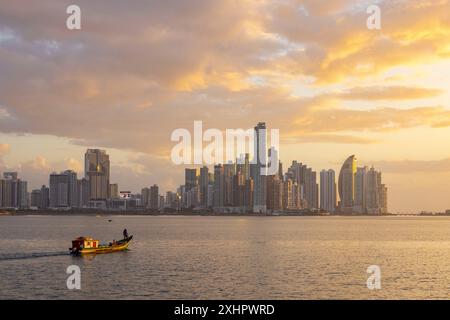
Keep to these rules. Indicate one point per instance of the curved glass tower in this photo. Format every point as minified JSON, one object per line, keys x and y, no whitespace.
{"x":346,"y":184}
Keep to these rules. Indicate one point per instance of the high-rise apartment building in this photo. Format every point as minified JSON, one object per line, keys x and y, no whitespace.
{"x":154,"y":197}
{"x":13,"y":191}
{"x":59,"y":190}
{"x":328,"y":190}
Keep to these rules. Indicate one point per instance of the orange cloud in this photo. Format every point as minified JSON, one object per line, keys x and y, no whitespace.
{"x":376,"y":120}
{"x":388,"y":93}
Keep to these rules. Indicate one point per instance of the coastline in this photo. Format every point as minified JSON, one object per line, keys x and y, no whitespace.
{"x":94,"y":212}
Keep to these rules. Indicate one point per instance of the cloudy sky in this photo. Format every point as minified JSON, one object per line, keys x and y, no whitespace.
{"x":139,"y":69}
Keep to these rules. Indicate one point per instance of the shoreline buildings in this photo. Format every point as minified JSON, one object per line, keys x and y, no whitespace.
{"x":242,"y":186}
{"x":361,"y":190}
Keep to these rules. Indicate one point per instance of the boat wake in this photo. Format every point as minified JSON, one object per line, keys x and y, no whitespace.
{"x":31,"y":255}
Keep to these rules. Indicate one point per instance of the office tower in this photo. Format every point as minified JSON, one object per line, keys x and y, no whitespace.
{"x":45,"y":197}
{"x":239,"y":189}
{"x":328,"y":190}
{"x":287,"y":193}
{"x":248,"y":196}
{"x":306,"y":179}
{"x":59,"y":190}
{"x":203,"y":184}
{"x":2,"y":186}
{"x":114,"y":191}
{"x":219,"y":186}
{"x":145,"y":197}
{"x":64,"y":190}
{"x":273,"y":161}
{"x":173,"y":200}
{"x":383,"y":199}
{"x":193,"y":197}
{"x":84,"y":193}
{"x":210,"y":195}
{"x":97,"y":171}
{"x":36,"y":198}
{"x":274,"y":193}
{"x":243,"y":165}
{"x":280,"y":171}
{"x":310,"y":189}
{"x":190,"y":178}
{"x":297,"y":196}
{"x":72,"y":188}
{"x":258,"y":173}
{"x":346,"y":185}
{"x":372,"y":192}
{"x":360,"y":190}
{"x":229,"y":170}
{"x":22,"y":194}
{"x":154,"y":197}
{"x":6,"y":193}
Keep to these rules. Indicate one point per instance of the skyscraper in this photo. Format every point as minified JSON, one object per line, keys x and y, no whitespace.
{"x":274,"y":193}
{"x":45,"y":197}
{"x":59,"y":190}
{"x":190,"y":178}
{"x":219,"y":186}
{"x":83,"y":191}
{"x":72,"y":188}
{"x":360,"y":190}
{"x":306,"y":179}
{"x":258,"y":173}
{"x":203,"y":184}
{"x":154,"y":197}
{"x":145,"y":197}
{"x":372,"y":192}
{"x":229,"y":170}
{"x":328,"y":190}
{"x":35,"y":198}
{"x":13,"y":191}
{"x":97,"y":171}
{"x":346,"y":185}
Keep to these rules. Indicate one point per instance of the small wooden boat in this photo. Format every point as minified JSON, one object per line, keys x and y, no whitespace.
{"x":87,"y":245}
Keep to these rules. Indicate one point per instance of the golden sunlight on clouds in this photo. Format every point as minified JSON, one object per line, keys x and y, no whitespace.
{"x":4,"y":148}
{"x":139,"y":70}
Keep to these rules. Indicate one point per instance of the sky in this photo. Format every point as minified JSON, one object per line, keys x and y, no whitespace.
{"x":137,"y":70}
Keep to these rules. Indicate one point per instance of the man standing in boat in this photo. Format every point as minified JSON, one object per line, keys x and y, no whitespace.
{"x":125,"y":233}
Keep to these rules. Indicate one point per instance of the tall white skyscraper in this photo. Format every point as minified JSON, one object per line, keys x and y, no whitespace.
{"x":259,"y":168}
{"x":328,"y":190}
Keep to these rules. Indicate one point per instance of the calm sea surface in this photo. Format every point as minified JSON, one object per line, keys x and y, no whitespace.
{"x":228,"y":257}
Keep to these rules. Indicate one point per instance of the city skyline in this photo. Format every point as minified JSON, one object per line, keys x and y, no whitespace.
{"x":310,"y":68}
{"x":245,"y":185}
{"x":197,"y":169}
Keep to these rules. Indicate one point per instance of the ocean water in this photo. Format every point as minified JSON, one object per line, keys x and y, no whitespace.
{"x":228,"y":257}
